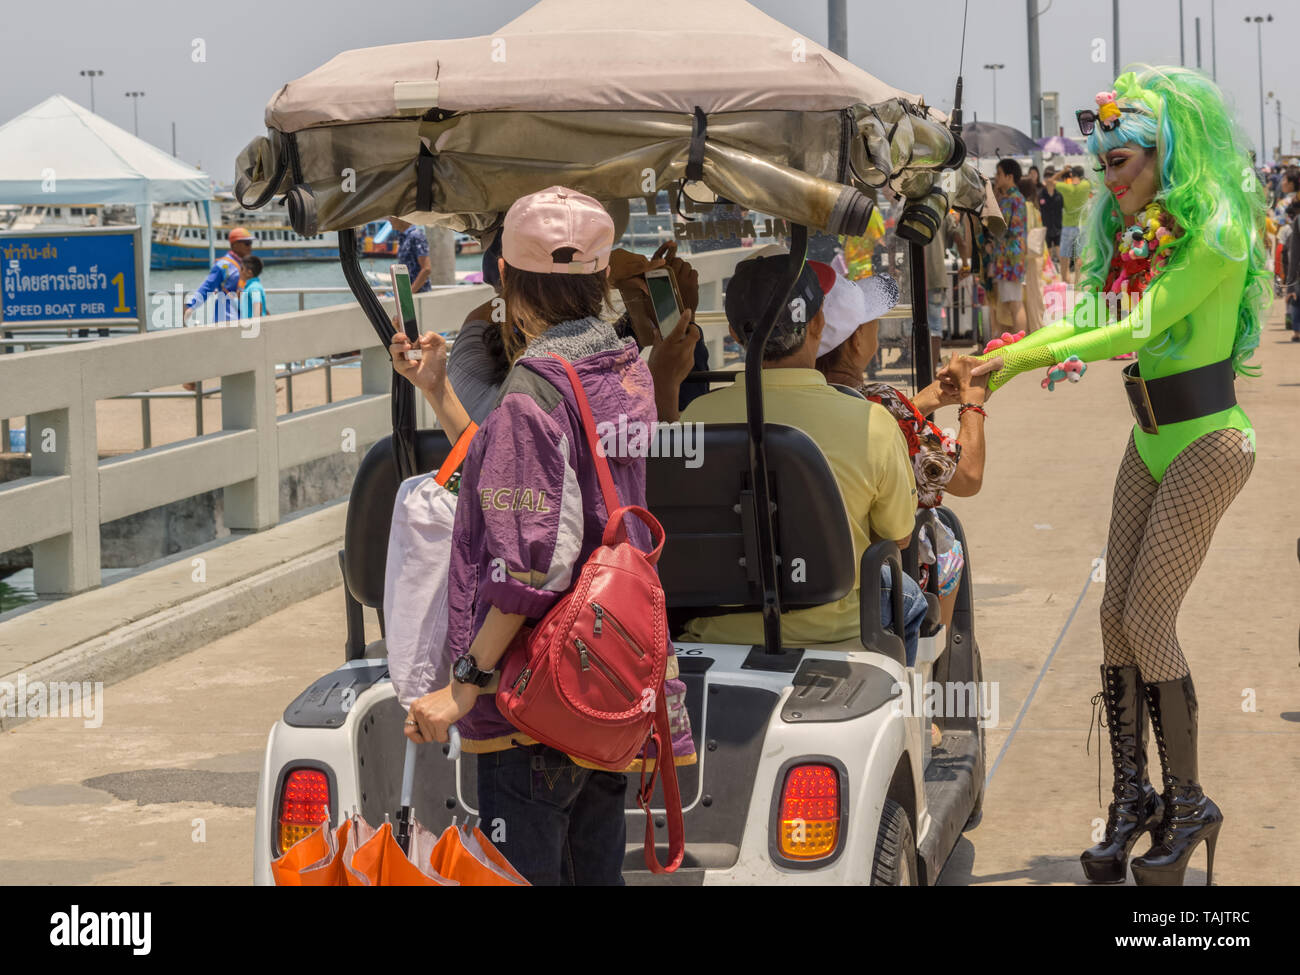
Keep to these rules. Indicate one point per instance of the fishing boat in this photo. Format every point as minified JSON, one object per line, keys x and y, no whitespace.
{"x":33,"y":216}
{"x":180,"y":235}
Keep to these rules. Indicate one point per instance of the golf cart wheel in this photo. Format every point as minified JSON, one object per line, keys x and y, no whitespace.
{"x":895,"y":862}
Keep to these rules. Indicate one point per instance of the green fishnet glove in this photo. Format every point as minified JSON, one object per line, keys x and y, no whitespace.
{"x":1016,"y":360}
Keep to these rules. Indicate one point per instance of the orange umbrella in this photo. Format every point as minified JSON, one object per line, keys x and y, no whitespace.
{"x":467,"y":857}
{"x":316,"y":860}
{"x":358,"y":855}
{"x":380,"y":862}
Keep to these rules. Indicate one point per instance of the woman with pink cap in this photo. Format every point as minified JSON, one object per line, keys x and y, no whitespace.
{"x":530,"y":513}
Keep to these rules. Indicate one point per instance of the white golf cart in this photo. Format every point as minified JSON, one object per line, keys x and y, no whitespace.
{"x":814,"y":764}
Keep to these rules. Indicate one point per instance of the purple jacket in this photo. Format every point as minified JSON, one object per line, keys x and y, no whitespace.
{"x":531,"y":510}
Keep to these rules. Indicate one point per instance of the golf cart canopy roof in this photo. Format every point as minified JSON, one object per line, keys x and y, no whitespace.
{"x":581,"y":93}
{"x":589,"y":55}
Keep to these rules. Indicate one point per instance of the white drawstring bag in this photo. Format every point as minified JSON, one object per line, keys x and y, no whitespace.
{"x":415,"y":587}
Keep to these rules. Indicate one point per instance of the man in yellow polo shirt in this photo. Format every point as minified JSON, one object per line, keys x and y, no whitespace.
{"x":861,"y":440}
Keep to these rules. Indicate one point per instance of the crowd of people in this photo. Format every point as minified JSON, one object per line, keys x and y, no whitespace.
{"x":1011,"y":273}
{"x":1283,"y":228}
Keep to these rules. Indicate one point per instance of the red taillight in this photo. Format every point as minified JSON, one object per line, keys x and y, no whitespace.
{"x":810,"y":812}
{"x":304,"y":805}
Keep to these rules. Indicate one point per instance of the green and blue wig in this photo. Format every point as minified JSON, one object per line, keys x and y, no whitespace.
{"x":1207,"y":182}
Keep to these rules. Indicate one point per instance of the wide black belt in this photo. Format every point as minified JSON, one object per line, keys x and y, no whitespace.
{"x":1185,"y":396}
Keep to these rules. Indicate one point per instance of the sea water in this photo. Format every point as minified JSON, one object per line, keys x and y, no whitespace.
{"x":296,"y":274}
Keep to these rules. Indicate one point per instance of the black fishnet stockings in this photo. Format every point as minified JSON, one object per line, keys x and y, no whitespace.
{"x":1159,"y":534}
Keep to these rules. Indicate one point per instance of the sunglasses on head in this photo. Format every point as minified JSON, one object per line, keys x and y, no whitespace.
{"x":1088,"y":120}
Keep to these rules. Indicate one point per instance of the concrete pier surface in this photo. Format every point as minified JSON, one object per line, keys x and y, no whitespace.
{"x":162,"y":791}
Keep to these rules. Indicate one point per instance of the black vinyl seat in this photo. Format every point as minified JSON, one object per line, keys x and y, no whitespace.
{"x":711,"y":557}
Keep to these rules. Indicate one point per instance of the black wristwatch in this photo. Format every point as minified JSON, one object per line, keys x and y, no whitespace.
{"x":465,"y":670}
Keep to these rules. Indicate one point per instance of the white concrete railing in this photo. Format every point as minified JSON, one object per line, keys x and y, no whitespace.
{"x":58,"y":510}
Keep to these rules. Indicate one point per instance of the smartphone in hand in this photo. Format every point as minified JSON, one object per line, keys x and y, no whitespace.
{"x":405,"y":302}
{"x":665,"y":300}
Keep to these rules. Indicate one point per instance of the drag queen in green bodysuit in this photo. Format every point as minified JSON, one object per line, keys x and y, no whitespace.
{"x":1175,"y":271}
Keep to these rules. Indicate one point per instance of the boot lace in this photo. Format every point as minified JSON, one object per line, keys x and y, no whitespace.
{"x":1099,"y":719}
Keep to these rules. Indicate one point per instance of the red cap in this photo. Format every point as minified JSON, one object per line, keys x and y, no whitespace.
{"x":240,"y":233}
{"x":825,"y":275}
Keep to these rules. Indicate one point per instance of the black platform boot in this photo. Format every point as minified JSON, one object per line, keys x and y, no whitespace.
{"x":1136,"y":808}
{"x":1190,"y":815}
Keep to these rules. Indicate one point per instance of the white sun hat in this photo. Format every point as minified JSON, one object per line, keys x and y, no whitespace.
{"x":851,"y":303}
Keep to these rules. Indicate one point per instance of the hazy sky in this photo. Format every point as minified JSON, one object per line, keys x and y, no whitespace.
{"x":253,"y":48}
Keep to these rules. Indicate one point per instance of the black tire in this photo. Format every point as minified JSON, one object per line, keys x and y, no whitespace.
{"x":895,"y":860}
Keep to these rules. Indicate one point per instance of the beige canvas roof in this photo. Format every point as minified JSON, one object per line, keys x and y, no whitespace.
{"x":600,"y":96}
{"x":589,"y":55}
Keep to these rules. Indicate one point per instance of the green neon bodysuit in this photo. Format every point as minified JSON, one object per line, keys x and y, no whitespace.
{"x":1195,"y":300}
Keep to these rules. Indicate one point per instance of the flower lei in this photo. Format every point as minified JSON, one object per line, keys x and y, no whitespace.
{"x":1142,"y":250}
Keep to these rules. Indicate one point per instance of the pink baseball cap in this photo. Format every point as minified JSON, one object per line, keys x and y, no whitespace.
{"x":543,"y":222}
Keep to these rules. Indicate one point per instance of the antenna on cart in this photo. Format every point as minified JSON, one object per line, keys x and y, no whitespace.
{"x":955,"y":123}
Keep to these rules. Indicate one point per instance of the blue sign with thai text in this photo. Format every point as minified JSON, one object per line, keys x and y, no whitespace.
{"x":72,"y":277}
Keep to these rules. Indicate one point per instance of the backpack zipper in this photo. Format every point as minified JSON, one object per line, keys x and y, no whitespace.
{"x":522,"y":680}
{"x":605,"y":616}
{"x":586,"y":657}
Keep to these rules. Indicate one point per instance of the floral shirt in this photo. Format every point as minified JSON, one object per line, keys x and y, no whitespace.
{"x":1006,"y":254}
{"x":934,"y":456}
{"x":412,"y":245}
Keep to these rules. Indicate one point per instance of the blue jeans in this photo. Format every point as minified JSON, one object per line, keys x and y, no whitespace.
{"x":1070,"y":243}
{"x":563,"y":824}
{"x":914,"y":609}
{"x":936,"y":302}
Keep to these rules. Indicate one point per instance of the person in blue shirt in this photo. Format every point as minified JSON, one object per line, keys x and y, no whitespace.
{"x":223,"y":279}
{"x":252,"y":297}
{"x":413,"y":251}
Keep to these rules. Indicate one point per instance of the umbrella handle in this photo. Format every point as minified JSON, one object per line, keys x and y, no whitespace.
{"x":408,"y":774}
{"x":451,"y":750}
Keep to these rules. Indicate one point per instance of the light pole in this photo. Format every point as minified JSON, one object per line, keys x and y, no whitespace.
{"x":1035,"y":84}
{"x":837,"y":27}
{"x":1259,"y":39}
{"x":1114,"y":28}
{"x":135,"y":97}
{"x":1214,"y":46}
{"x":1277,"y":104}
{"x":92,"y":75}
{"x":1182,"y":34}
{"x":995,"y":68}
